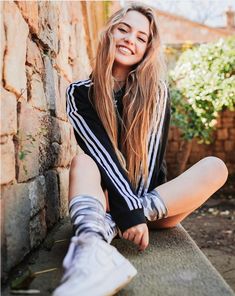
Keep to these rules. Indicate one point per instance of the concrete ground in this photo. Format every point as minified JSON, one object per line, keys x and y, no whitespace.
{"x":172,"y":265}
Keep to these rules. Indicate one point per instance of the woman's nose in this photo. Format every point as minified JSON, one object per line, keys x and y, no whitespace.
{"x":129,"y":38}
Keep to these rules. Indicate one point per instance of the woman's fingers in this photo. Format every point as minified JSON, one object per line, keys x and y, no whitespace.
{"x":139,"y":235}
{"x":137,"y":239}
{"x":144,"y":241}
{"x":131,"y":236}
{"x":125,"y":235}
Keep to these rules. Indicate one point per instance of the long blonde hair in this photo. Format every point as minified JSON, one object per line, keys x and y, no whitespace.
{"x":143,"y":99}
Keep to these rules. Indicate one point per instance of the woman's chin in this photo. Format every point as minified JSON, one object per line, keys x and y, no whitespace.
{"x":123,"y":62}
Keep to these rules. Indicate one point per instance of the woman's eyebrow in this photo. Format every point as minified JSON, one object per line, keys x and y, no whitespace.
{"x":131,"y":27}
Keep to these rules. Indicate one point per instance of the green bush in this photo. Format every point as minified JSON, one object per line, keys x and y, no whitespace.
{"x":202,"y":84}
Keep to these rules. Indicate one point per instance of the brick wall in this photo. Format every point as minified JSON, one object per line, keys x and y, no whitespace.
{"x":223,"y":145}
{"x":45,"y":45}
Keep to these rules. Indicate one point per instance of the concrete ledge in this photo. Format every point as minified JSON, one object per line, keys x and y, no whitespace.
{"x":171,"y":266}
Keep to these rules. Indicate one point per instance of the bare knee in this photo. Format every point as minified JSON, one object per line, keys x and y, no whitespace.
{"x":83,"y":164}
{"x":215,"y":170}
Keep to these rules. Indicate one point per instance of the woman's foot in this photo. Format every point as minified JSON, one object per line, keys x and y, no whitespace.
{"x":94,"y":268}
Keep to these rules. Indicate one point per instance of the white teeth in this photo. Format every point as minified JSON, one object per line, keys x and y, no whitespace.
{"x":125,"y":50}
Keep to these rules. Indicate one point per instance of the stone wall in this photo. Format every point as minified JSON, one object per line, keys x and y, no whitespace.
{"x":44,"y":47}
{"x":223,"y":145}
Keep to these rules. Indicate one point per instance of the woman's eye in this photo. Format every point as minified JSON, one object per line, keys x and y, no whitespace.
{"x":141,"y":39}
{"x":122,"y":30}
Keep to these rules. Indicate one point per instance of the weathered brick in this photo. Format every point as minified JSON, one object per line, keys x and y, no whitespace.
{"x":222,"y":134}
{"x":63,"y":156}
{"x":37,"y":95}
{"x":8,"y":113}
{"x":64,"y":33}
{"x":3,"y":239}
{"x":63,"y":175}
{"x":74,"y":148}
{"x":3,"y":39}
{"x":64,"y":149}
{"x":52,"y":198}
{"x":16,"y":39}
{"x":34,"y":57}
{"x":81,"y":65}
{"x":50,"y":84}
{"x":37,"y":194}
{"x":28,"y":141}
{"x":37,"y":229}
{"x":29,"y":10}
{"x":61,"y":101}
{"x":7,"y":161}
{"x":3,"y":139}
{"x":17,"y":216}
{"x":48,"y":23}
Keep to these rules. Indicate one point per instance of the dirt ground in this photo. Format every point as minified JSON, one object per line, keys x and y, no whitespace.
{"x":212,"y":227}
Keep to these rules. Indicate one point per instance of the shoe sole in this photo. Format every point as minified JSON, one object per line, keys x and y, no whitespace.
{"x":127,"y":271}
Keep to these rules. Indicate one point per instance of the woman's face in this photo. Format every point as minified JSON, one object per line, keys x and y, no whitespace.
{"x":131,"y":38}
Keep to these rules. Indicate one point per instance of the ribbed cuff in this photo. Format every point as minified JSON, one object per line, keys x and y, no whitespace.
{"x":128,"y":219}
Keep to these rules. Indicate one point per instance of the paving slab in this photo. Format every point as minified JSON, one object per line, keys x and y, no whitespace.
{"x":172,"y":265}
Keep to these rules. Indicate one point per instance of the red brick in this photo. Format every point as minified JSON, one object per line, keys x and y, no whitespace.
{"x":218,"y":146}
{"x":176,"y":134}
{"x":230,"y":158}
{"x":196,"y":148}
{"x":173,"y":146}
{"x":221,"y":155}
{"x":228,"y":122}
{"x":170,"y":135}
{"x":227,"y":113}
{"x":232,"y":134}
{"x":222,"y":134}
{"x":219,"y":122}
{"x":229,"y":146}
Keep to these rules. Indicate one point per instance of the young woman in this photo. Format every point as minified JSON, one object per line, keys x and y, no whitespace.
{"x":121,"y":117}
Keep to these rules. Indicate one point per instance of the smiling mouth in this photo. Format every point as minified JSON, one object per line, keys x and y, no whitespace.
{"x":125,"y":50}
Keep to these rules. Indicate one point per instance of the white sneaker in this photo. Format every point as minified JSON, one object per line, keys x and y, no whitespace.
{"x":94,"y":268}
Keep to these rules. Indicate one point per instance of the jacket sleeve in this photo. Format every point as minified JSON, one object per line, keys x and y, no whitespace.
{"x":125,"y":206}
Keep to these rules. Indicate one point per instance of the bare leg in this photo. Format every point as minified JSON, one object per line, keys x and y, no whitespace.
{"x":190,"y":190}
{"x":84,"y":178}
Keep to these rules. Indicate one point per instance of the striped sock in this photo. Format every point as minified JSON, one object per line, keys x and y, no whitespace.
{"x":111,"y":227}
{"x":88,"y":216}
{"x":154,"y":206}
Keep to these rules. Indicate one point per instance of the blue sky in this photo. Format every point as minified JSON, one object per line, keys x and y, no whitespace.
{"x":209,"y":12}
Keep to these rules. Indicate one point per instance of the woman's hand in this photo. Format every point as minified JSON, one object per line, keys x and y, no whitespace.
{"x":139,"y":235}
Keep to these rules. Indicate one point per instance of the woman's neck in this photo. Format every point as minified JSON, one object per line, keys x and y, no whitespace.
{"x":119,"y":75}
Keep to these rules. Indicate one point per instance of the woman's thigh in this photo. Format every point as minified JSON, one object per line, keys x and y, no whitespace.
{"x":84,"y":178}
{"x":190,"y":190}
